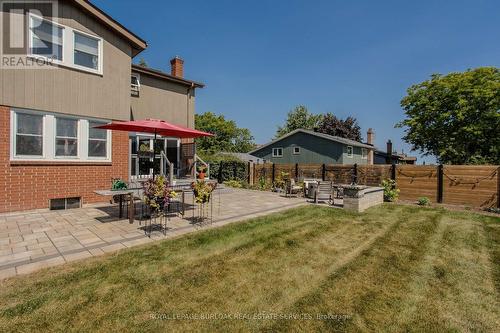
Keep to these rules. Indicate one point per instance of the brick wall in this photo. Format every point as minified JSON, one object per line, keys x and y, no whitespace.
{"x":30,"y":185}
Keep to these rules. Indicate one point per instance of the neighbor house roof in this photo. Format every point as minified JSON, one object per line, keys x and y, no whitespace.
{"x":320,"y":135}
{"x":162,"y":75}
{"x":401,"y":157}
{"x":137,"y":42}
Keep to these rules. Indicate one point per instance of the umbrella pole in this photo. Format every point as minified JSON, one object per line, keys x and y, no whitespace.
{"x":154,"y":157}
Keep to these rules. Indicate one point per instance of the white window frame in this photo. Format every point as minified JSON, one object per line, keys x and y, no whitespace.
{"x":49,"y":137}
{"x":13,"y":139}
{"x":352,"y":151}
{"x":30,"y":40}
{"x":108,"y":142}
{"x":364,"y":153}
{"x":136,"y":88}
{"x":275,"y":152}
{"x":68,"y":47}
{"x":296,"y":150}
{"x":78,"y":143}
{"x":99,"y":45}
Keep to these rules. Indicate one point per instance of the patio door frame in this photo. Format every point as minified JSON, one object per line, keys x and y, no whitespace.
{"x":150,"y":137}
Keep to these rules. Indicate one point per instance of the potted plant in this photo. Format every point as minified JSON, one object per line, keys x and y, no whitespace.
{"x":118,"y":184}
{"x":202,"y":191}
{"x":157,"y":193}
{"x":202,"y":169}
{"x":145,"y":151}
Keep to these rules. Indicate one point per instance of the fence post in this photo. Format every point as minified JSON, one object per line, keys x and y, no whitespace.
{"x":355,"y":174}
{"x":221,"y":166}
{"x":440,"y":184}
{"x":393,"y":171}
{"x":249,"y":179}
{"x":498,"y":187}
{"x":296,"y":172}
{"x":273,"y":175}
{"x":323,"y":172}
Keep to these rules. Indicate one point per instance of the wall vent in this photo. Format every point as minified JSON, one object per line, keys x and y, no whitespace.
{"x":65,"y":203}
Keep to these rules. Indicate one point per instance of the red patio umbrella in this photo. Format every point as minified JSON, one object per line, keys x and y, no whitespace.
{"x":157,"y":127}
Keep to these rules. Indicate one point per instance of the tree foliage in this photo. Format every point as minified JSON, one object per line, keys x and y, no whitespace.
{"x":228,"y":136}
{"x":455,"y":117}
{"x":345,"y":128}
{"x":297,"y":118}
{"x":143,"y":63}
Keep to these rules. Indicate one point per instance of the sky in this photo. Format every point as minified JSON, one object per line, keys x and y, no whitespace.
{"x":259,"y":59}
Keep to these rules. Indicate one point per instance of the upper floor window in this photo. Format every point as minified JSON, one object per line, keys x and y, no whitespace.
{"x":296,"y":150}
{"x":66,"y":137}
{"x":28,"y":135}
{"x":364,"y":153}
{"x":135,"y":84}
{"x":46,"y":38}
{"x":277,"y":152}
{"x":86,"y":52}
{"x":349,"y":151}
{"x":65,"y":46}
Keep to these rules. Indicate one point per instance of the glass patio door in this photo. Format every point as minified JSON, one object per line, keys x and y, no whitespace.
{"x":141,"y":158}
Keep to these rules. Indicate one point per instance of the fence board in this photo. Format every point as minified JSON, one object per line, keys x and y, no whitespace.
{"x":470,"y":185}
{"x":416,"y":181}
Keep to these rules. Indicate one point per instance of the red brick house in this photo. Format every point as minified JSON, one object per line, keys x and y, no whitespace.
{"x":85,"y":77}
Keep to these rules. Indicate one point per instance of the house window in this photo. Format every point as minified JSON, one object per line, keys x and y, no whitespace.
{"x":46,"y":39}
{"x":86,"y":51}
{"x":66,"y":137}
{"x":277,"y":152}
{"x":364,"y":153}
{"x":135,"y":84}
{"x":349,"y":151}
{"x":29,"y":135}
{"x":296,"y":150}
{"x":52,"y":137}
{"x":98,"y":139}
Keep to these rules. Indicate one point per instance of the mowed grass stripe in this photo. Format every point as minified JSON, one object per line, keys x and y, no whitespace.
{"x":370,"y":288}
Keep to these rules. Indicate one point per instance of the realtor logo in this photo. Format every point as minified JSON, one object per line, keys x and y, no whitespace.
{"x":30,"y":37}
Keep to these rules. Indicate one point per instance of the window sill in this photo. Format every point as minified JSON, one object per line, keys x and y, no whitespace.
{"x":52,"y":162}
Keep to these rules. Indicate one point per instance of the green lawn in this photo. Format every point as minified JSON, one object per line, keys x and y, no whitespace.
{"x":394,"y":268}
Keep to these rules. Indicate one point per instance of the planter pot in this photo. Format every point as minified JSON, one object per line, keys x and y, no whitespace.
{"x":201,"y":175}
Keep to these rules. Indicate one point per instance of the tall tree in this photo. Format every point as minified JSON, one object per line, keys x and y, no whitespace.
{"x":455,"y":117}
{"x":297,"y":118}
{"x":345,"y":128}
{"x":228,"y":136}
{"x":142,"y":63}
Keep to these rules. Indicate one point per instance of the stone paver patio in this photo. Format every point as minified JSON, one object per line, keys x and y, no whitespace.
{"x":37,"y":239}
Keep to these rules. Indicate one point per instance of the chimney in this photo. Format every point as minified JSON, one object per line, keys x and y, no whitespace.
{"x":370,"y":136}
{"x":389,"y":152}
{"x":177,"y":67}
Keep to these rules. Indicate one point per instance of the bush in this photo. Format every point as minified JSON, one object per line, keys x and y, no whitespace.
{"x":423,"y":201}
{"x":233,"y":183}
{"x":391,"y":193}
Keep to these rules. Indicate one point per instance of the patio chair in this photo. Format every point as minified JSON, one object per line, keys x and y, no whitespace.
{"x":324,"y":192}
{"x":293,"y":189}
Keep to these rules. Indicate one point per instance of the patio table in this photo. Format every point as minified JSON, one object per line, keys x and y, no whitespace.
{"x":121,"y":194}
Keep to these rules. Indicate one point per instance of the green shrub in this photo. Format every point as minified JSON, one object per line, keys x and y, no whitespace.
{"x":423,"y":201}
{"x":233,"y":183}
{"x":391,"y":193}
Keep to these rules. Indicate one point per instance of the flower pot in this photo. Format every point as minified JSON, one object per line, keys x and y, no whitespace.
{"x":201,"y":175}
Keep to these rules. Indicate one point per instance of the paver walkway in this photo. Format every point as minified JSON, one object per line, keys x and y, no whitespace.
{"x":33,"y":240}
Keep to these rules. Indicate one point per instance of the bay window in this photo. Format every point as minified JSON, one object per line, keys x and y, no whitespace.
{"x":28,"y":135}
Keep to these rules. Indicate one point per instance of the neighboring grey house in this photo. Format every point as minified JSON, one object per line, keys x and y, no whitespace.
{"x":305,"y":146}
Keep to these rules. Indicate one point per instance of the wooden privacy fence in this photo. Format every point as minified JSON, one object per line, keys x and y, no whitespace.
{"x":472,"y":185}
